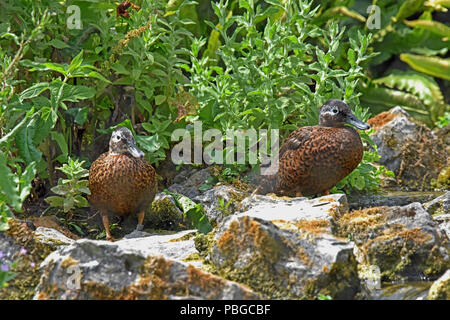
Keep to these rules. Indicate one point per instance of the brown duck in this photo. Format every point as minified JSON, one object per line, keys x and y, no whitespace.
{"x":121,"y":181}
{"x":314,"y":158}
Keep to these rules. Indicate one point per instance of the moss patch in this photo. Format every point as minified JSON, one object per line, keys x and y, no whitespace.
{"x":398,"y":251}
{"x":23,"y":285}
{"x":165,"y":215}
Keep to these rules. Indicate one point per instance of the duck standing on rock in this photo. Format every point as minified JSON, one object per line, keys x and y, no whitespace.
{"x":313,"y":159}
{"x":121,"y":181}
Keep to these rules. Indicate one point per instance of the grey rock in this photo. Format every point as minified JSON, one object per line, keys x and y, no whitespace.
{"x":443,"y":221}
{"x":141,"y":268}
{"x":400,"y":128}
{"x":51,"y":236}
{"x":164,"y":215}
{"x":9,"y":249}
{"x":136,"y":234}
{"x":210,"y":202}
{"x":440,"y":289}
{"x":403,"y":242}
{"x":400,"y":291}
{"x":411,"y":150}
{"x":287,"y":252}
{"x":390,"y":199}
{"x":189,"y":184}
{"x":293,"y":209}
{"x":439,"y":205}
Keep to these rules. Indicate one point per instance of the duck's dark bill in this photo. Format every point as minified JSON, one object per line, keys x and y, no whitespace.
{"x":357,"y":123}
{"x":134,"y":151}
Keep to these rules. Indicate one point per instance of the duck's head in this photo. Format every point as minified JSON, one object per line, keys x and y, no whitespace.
{"x":122,"y":141}
{"x":336,"y":113}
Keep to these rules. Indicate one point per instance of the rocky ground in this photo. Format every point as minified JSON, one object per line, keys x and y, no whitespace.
{"x":393,"y":245}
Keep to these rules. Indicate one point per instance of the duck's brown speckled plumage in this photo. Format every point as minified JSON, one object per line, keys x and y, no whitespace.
{"x":314,"y":158}
{"x":121,"y":184}
{"x":121,"y":181}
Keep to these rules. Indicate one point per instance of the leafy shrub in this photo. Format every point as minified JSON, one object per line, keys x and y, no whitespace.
{"x":275,"y":72}
{"x":70,"y":191}
{"x":417,"y":46}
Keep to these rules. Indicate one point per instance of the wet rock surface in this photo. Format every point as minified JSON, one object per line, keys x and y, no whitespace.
{"x":390,"y":199}
{"x":412,"y":151}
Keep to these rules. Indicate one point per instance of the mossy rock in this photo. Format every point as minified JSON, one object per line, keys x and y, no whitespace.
{"x":22,"y":287}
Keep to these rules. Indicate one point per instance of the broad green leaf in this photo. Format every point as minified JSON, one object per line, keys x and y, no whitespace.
{"x":55,"y":201}
{"x":79,"y":114}
{"x":120,"y":69}
{"x":430,"y":25}
{"x":420,"y":85}
{"x":81,"y":201}
{"x":76,"y":63}
{"x":68,"y":204}
{"x":61,"y":141}
{"x":125,"y":123}
{"x":43,"y":123}
{"x":148,"y":143}
{"x":25,"y":181}
{"x":58,"y":44}
{"x":16,"y":129}
{"x":25,"y":141}
{"x":193,"y":211}
{"x":61,"y":189}
{"x":7,"y":185}
{"x":434,"y":66}
{"x":408,"y":8}
{"x":76,"y":93}
{"x":159,"y":99}
{"x":95,"y":74}
{"x":34,"y":91}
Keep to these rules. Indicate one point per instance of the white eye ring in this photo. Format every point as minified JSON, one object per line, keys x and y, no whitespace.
{"x":117,"y":138}
{"x":335,"y":110}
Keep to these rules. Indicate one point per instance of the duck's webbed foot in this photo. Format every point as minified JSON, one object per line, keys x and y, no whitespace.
{"x":105,"y":221}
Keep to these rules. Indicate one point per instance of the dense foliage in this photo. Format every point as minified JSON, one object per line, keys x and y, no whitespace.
{"x":159,"y":66}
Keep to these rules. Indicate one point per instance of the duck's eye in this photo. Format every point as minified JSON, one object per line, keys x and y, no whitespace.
{"x":335,"y":110}
{"x":118,"y":138}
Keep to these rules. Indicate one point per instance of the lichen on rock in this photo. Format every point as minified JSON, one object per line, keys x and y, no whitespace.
{"x":440,"y":289}
{"x":403,"y":242}
{"x":408,"y":148}
{"x":268,"y":250}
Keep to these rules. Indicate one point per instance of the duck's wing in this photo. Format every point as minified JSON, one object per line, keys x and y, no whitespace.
{"x":295,"y":140}
{"x":296,"y":157}
{"x":287,"y":157}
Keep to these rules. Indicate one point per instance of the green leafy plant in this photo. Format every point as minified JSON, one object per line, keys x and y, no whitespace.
{"x":223,"y":207}
{"x":16,"y":186}
{"x":70,"y":191}
{"x":192,"y":211}
{"x":3,"y":218}
{"x":322,"y":296}
{"x":5,"y":273}
{"x":274,"y":72}
{"x":444,"y":120}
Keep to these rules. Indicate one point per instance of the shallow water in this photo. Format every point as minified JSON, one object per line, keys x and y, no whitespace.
{"x":400,"y":291}
{"x":391,"y":198}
